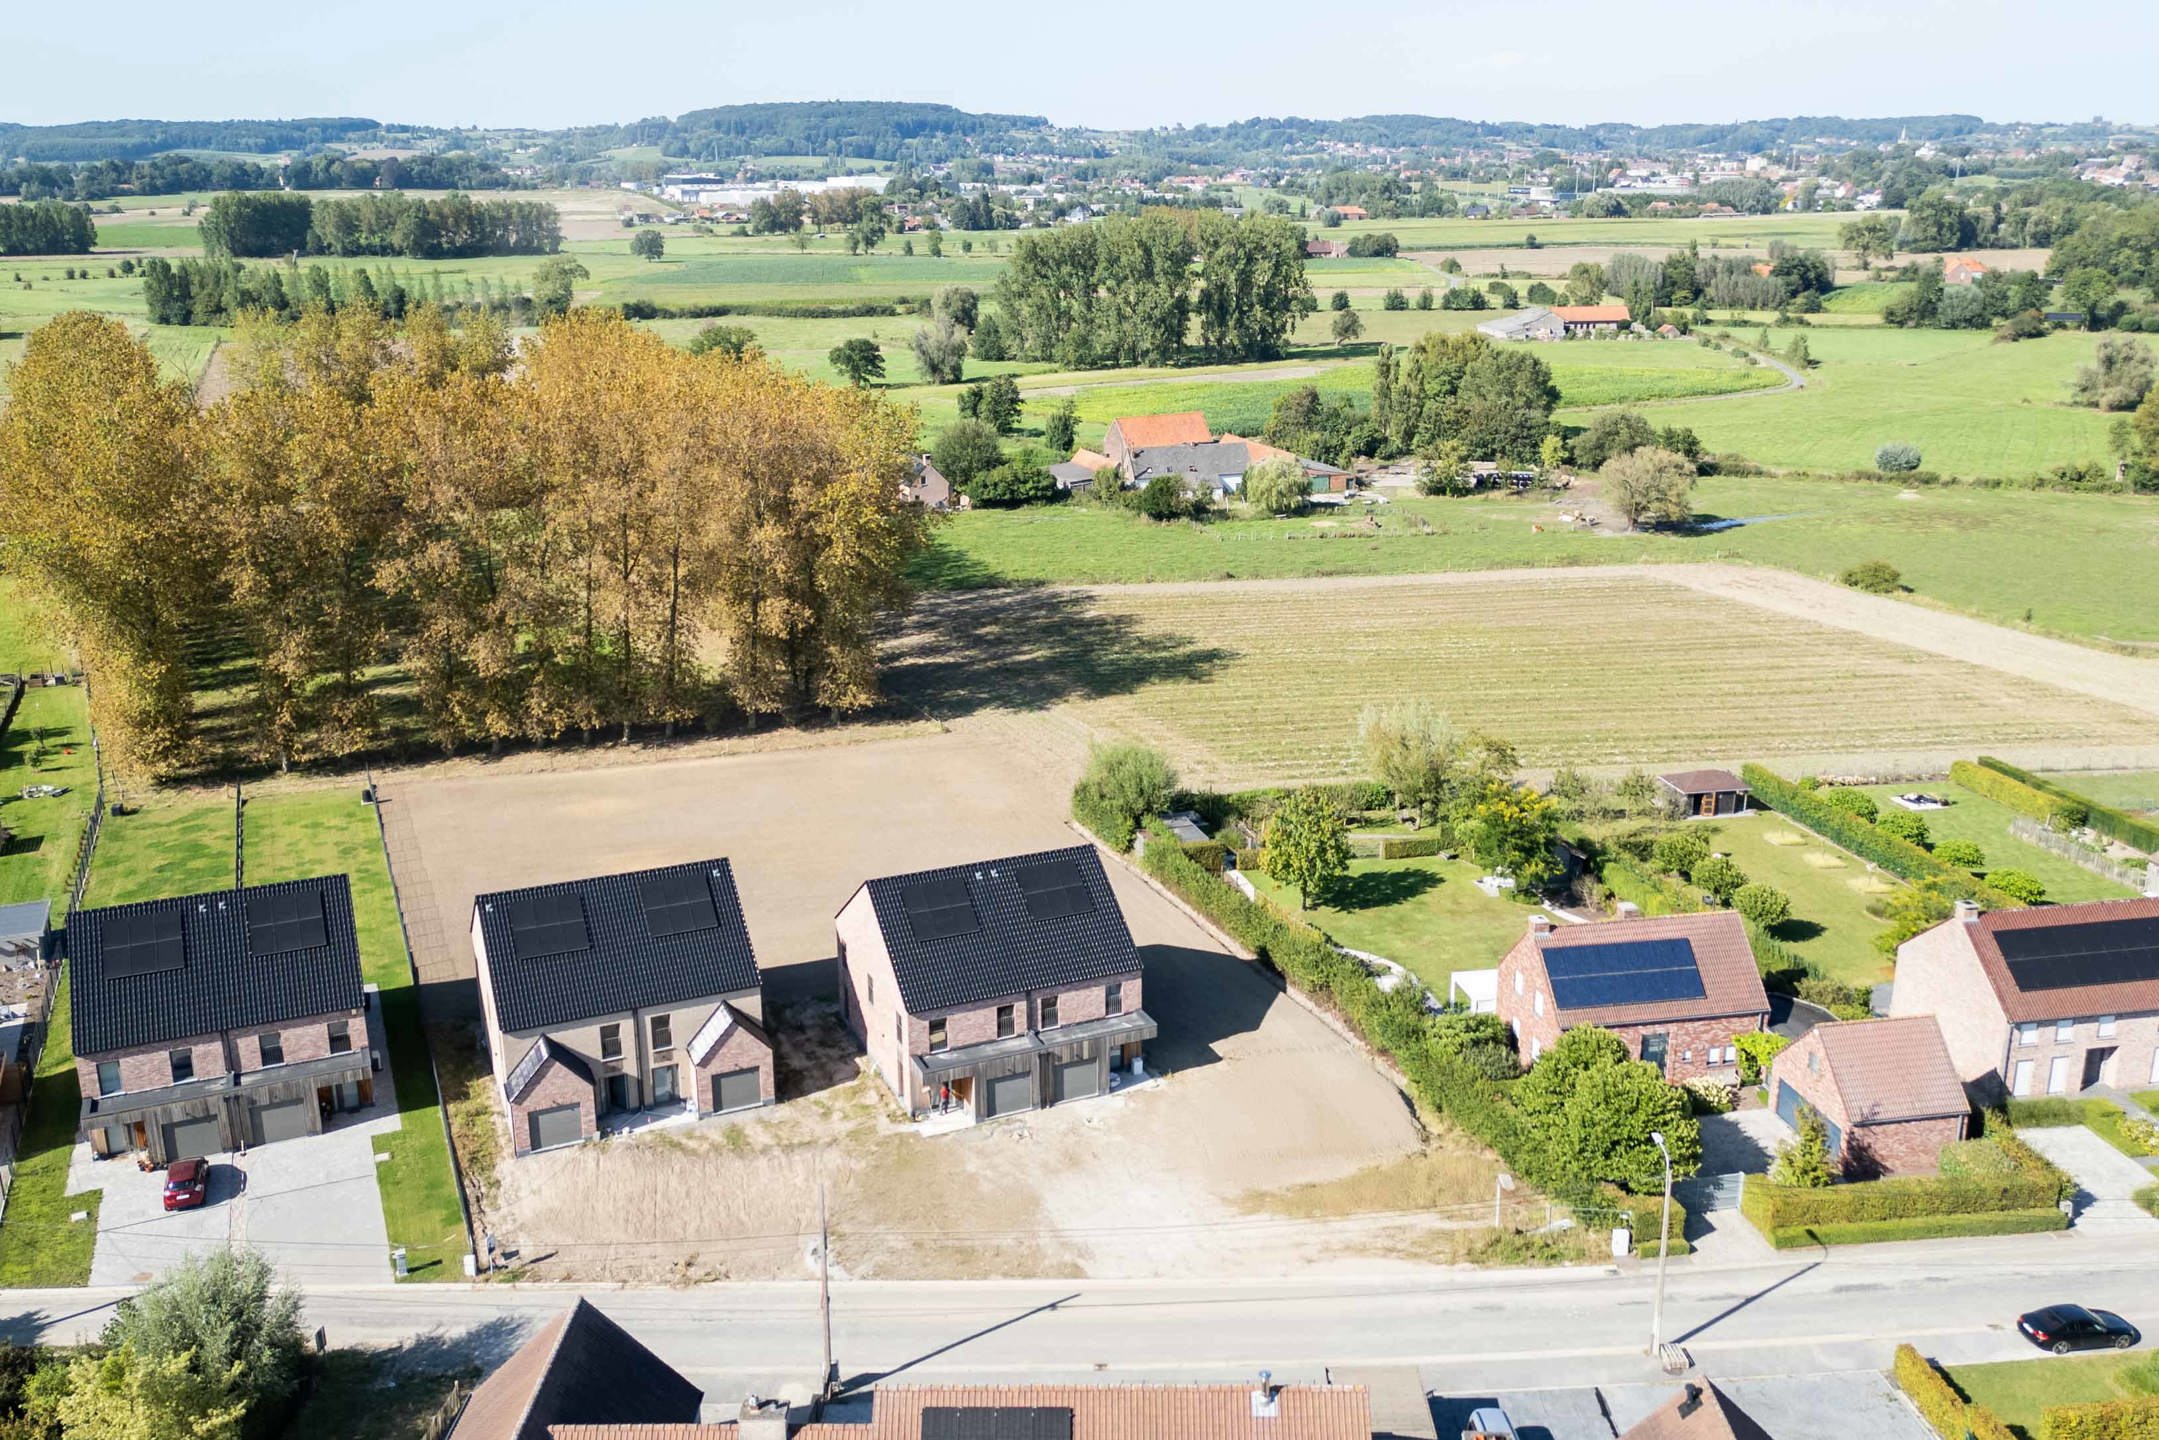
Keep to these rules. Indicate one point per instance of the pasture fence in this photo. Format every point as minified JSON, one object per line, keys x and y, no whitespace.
{"x":2133,"y":877}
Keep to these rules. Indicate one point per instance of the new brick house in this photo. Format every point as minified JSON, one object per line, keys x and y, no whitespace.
{"x":996,"y":987}
{"x":2047,"y":1001}
{"x":213,"y":1022}
{"x":621,"y":994}
{"x":1677,"y":988}
{"x":1887,"y":1093}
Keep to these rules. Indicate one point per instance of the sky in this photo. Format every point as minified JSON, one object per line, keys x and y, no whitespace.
{"x":1104,"y":63}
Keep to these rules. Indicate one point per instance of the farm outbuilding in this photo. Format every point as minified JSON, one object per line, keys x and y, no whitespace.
{"x":1705,"y":792}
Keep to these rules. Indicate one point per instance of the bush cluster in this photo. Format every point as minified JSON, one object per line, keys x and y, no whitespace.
{"x":2133,"y":1419}
{"x":1791,"y":1215}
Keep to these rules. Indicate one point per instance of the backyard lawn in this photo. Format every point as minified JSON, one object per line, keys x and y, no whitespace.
{"x":1426,"y":914}
{"x":40,"y":1246}
{"x":1831,"y":891}
{"x":2136,"y":791}
{"x":1971,"y":816}
{"x":2020,"y":1390}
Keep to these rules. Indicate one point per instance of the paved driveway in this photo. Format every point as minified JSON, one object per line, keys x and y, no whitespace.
{"x":1744,"y":1141}
{"x":310,"y":1205}
{"x":2105,"y":1178}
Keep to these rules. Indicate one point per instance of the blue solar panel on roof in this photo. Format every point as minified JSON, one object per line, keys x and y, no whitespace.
{"x":543,"y":925}
{"x":143,"y":942}
{"x":1623,"y":972}
{"x":940,"y":908}
{"x":2066,"y":957}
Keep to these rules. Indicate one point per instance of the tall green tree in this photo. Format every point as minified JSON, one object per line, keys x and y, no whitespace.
{"x":1252,"y":284}
{"x":859,"y":361}
{"x":1306,"y":845}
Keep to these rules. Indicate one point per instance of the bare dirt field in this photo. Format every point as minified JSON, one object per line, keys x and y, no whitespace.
{"x":1247,"y":682}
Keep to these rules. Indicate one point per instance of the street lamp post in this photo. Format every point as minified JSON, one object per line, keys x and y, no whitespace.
{"x":1664,"y":1249}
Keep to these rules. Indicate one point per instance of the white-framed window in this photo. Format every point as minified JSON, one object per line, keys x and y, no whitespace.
{"x":2022,"y":1085}
{"x":1517,"y":982}
{"x":2106,"y":1027}
{"x":2058,"y":1075}
{"x":2027,"y":1034}
{"x":1537,"y":1004}
{"x":1536,"y":1048}
{"x":2064,"y":1031}
{"x":2155,"y":1067}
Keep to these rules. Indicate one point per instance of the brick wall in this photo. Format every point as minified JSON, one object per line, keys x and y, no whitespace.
{"x":1521,"y":984}
{"x":739,"y":1051}
{"x":1938,"y":974}
{"x":150,"y":1067}
{"x":975,"y":1024}
{"x":1526,"y":1005}
{"x":2134,"y":1040}
{"x":1688,"y":1043}
{"x":1902,"y":1147}
{"x":556,"y":1086}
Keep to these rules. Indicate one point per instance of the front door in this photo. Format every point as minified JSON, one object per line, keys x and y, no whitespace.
{"x":1653,"y":1048}
{"x":664,"y":1086}
{"x":2058,"y":1075}
{"x":2095,"y":1064}
{"x":618,"y":1092}
{"x":1709,"y":804}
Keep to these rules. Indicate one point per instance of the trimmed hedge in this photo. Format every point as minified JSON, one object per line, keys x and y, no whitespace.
{"x":2044,"y":1112}
{"x":2108,"y":821}
{"x":1213,"y":854}
{"x":2133,"y":1419}
{"x":1918,"y":1227}
{"x":1409,"y":847}
{"x":2031,"y":1186}
{"x":2027,"y":800}
{"x":1899,"y":857}
{"x":1939,"y":1404}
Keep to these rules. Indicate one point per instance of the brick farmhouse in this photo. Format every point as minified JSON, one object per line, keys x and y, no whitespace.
{"x":996,"y":987}
{"x":2047,"y":1001}
{"x":214,"y":1022}
{"x":620,"y":994}
{"x":1885,"y":1089}
{"x":1700,"y":966}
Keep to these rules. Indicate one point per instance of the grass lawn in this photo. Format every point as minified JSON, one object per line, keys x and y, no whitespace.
{"x":2020,"y":1390}
{"x":40,"y":1247}
{"x":2136,"y":791}
{"x":1972,"y":816}
{"x":1425,"y":913}
{"x":1831,"y":892}
{"x":370,"y":1395}
{"x":47,"y":744}
{"x":182,"y":847}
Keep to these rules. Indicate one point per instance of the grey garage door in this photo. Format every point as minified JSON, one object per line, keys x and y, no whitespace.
{"x":1012,"y":1092}
{"x":287,"y":1121}
{"x":1788,"y":1107}
{"x":1078,"y":1079}
{"x":736,"y":1090}
{"x":559,"y":1126}
{"x":193,"y":1139}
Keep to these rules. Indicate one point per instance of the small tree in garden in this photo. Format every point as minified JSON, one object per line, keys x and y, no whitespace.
{"x":1610,"y":1117}
{"x":1762,"y":905}
{"x":1123,"y":786}
{"x":1720,"y":878}
{"x":1803,"y":1161}
{"x":2019,"y":885}
{"x":1510,"y":830}
{"x":1964,"y":854}
{"x":1679,"y":852}
{"x":1756,"y":1049}
{"x":1306,"y":845}
{"x":1876,"y":577}
{"x":1278,"y":487}
{"x":1060,"y":428}
{"x":1896,"y":457}
{"x":1163,"y":498}
{"x":1905,"y":826}
{"x":1852,"y":802}
{"x":1414,"y":751}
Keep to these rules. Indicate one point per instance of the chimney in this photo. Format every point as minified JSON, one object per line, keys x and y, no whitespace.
{"x":1627,"y":910}
{"x":1266,"y":1400}
{"x":761,"y":1419}
{"x":1540,"y":926}
{"x":2151,"y":879}
{"x":1968,"y":911}
{"x":1693,"y":1402}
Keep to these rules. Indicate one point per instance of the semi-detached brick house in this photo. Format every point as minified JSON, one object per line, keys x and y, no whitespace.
{"x":996,"y":987}
{"x":620,"y":994}
{"x":213,"y":1022}
{"x":1885,"y":1089}
{"x":2046,"y":1001}
{"x":1676,"y":988}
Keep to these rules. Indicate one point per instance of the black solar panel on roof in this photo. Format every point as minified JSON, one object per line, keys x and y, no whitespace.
{"x":283,"y":921}
{"x":1053,"y":890}
{"x":543,"y":925}
{"x":996,"y":1422}
{"x":1626,"y":972}
{"x":143,"y":942}
{"x":940,"y":908}
{"x":676,"y":903}
{"x":2065,"y":957}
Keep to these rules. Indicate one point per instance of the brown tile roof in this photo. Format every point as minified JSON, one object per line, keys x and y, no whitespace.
{"x":580,"y":1368}
{"x":1092,"y":459}
{"x":1696,"y":782}
{"x":1701,"y":1411}
{"x":2122,"y":997}
{"x":1731,"y":983}
{"x":1887,"y":1070}
{"x":1593,"y":314}
{"x":1144,"y":432}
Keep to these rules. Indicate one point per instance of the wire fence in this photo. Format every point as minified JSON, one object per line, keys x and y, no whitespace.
{"x":2133,"y":877}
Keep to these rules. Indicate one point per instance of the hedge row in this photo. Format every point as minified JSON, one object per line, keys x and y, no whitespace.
{"x":1893,"y":853}
{"x":2034,"y":1186}
{"x":1394,"y":847}
{"x":1110,"y":824}
{"x":784,"y":309}
{"x":2132,"y":1419}
{"x":2027,"y":800}
{"x":2108,"y":821}
{"x":1918,"y":1227}
{"x":1392,"y":1022}
{"x":1350,"y":796}
{"x":1939,"y":1404}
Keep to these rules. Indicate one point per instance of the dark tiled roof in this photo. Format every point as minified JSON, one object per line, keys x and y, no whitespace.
{"x":625,"y":966}
{"x":1731,"y":983}
{"x":529,"y":1068}
{"x":580,"y":1369}
{"x":220,"y":983}
{"x":2070,"y":1002}
{"x":1010,"y":951}
{"x":1210,"y":460}
{"x":1700,"y":782}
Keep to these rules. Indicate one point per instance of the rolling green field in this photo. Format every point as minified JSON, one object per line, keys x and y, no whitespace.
{"x":2074,"y":564}
{"x":2136,"y":791}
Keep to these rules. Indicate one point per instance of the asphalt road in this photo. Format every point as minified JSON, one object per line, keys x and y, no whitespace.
{"x":1799,"y":1313}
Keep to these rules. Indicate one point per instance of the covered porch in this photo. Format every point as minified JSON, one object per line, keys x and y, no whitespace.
{"x":1017,"y":1073}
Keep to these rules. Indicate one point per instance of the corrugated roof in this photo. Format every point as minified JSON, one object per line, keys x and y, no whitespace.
{"x":1187,"y":427}
{"x":1701,"y":1411}
{"x":1731,"y":983}
{"x":581,"y":1369}
{"x":625,"y":966}
{"x":219,"y":982}
{"x":1009,"y":951}
{"x":1888,"y":1070}
{"x":2121,"y":997}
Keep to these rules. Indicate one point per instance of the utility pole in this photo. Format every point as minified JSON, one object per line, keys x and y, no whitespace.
{"x":824,"y":1295}
{"x":1664,"y":1250}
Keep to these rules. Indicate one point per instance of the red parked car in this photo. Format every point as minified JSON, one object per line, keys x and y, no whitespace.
{"x":187,"y":1184}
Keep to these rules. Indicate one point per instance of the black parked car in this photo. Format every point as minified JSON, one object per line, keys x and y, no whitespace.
{"x":2063,"y":1328}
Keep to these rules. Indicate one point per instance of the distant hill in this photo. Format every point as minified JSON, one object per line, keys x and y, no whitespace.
{"x":140,"y":139}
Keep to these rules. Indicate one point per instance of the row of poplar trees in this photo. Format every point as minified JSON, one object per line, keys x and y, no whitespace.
{"x":592,"y":532}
